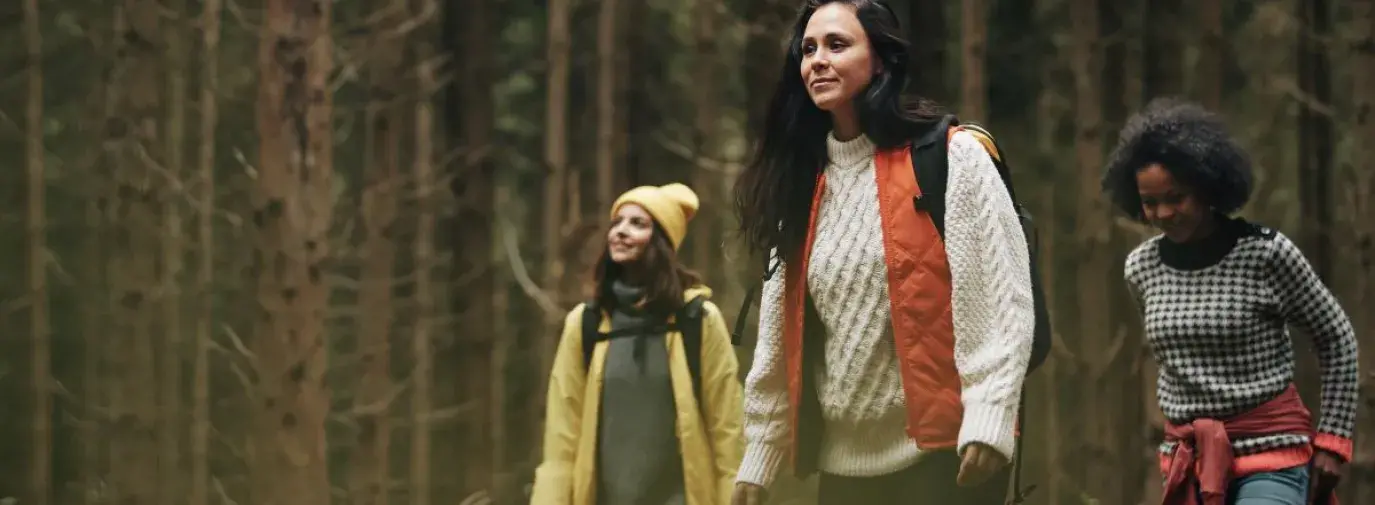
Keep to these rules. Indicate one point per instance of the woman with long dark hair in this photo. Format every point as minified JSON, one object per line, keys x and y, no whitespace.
{"x":889,"y":358}
{"x":1216,"y":293}
{"x":644,"y":402}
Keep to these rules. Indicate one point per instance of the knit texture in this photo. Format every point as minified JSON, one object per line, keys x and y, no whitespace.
{"x":860,"y":390}
{"x":638,"y":458}
{"x":1219,"y":335}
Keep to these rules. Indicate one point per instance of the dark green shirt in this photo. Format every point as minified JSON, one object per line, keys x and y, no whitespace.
{"x":638,"y":459}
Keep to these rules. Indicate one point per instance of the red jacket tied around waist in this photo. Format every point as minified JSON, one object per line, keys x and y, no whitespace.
{"x":1201,"y":470}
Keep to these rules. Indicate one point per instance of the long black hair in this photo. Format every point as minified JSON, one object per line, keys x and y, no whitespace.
{"x":665,"y":277}
{"x":773,"y":195}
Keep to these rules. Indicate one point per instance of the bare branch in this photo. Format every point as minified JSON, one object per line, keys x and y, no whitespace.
{"x":238,"y":344}
{"x":224,"y":496}
{"x":685,"y":152}
{"x":478,"y":498}
{"x":1287,"y":86}
{"x":243,"y":379}
{"x":409,"y":25}
{"x":527,"y":284}
{"x":379,"y":406}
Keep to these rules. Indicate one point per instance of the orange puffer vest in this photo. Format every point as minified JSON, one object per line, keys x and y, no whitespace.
{"x":919,"y":292}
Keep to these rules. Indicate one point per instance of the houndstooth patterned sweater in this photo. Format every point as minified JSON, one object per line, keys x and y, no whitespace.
{"x":1215,"y":317}
{"x":860,"y":389}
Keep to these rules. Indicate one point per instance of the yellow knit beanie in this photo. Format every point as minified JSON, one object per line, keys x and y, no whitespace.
{"x":672,"y":206}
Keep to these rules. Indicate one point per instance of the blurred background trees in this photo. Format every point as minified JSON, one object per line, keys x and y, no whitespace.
{"x":299,"y":252}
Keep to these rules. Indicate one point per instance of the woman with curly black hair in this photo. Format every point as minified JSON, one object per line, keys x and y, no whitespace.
{"x":1216,"y":293}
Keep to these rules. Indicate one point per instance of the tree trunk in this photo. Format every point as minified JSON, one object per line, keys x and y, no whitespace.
{"x":134,"y":254}
{"x":973,"y":39}
{"x":94,"y":336}
{"x":1132,"y":442}
{"x":555,"y":184}
{"x":927,"y":65}
{"x":40,"y":443}
{"x":706,"y":250}
{"x":100,"y":348}
{"x":1097,"y":381}
{"x":1360,"y":478}
{"x":608,"y":46}
{"x":422,"y":345}
{"x":1164,"y":45}
{"x":170,"y":368}
{"x":205,"y":265}
{"x":1208,"y":70}
{"x":1315,"y":146}
{"x":370,"y":473}
{"x":481,"y":379}
{"x":1315,"y":134}
{"x":764,"y":50}
{"x":293,"y":206}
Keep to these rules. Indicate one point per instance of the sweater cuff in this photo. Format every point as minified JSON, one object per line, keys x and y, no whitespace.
{"x":760,"y":464}
{"x":991,"y":425}
{"x":1341,"y":446}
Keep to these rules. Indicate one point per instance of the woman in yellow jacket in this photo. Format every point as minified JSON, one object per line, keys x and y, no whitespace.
{"x":628,"y":428}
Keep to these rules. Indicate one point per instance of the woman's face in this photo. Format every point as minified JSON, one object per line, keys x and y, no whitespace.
{"x":837,"y":62}
{"x":1170,"y":206}
{"x":631,"y":229}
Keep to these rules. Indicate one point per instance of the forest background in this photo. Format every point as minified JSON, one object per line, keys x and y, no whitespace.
{"x":298,"y":252}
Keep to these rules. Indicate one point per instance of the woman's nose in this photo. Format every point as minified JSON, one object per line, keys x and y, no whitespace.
{"x":820,"y":61}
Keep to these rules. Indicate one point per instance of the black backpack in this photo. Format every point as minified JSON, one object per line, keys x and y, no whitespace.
{"x":688,"y":320}
{"x":930,"y":162}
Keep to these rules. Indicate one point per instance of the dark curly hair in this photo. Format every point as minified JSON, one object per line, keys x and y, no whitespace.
{"x":1192,"y":143}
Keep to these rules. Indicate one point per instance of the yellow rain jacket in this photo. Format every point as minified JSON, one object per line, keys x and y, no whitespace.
{"x":709,"y":437}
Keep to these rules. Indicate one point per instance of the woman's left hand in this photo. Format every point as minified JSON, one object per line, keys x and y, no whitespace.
{"x":1326,"y":474}
{"x":979,"y":463}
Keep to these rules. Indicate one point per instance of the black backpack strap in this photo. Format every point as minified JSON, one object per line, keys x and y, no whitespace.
{"x":689,"y":322}
{"x":932,"y":168}
{"x":771,"y":264}
{"x":1019,"y":495}
{"x":931,"y":165}
{"x":591,"y":332}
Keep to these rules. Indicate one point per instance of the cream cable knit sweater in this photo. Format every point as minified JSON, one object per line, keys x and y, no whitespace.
{"x":863,"y":406}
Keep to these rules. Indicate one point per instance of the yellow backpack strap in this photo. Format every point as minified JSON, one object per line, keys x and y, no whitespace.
{"x":984,"y":138}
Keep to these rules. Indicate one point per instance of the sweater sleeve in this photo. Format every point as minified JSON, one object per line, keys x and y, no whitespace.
{"x":991,"y":300}
{"x":1131,"y":269}
{"x":766,"y":392}
{"x":563,"y":417}
{"x":1307,"y":303}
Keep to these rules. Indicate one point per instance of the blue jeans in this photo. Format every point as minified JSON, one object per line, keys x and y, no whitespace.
{"x":1284,"y":487}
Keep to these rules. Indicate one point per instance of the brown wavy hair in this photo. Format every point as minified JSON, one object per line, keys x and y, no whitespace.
{"x":665,"y":276}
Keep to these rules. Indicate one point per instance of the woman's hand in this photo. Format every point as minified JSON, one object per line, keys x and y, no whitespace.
{"x":748,"y":494}
{"x":979,"y":463}
{"x":1326,"y":474}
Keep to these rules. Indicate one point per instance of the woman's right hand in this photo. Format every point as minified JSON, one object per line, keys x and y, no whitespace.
{"x":747,"y":494}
